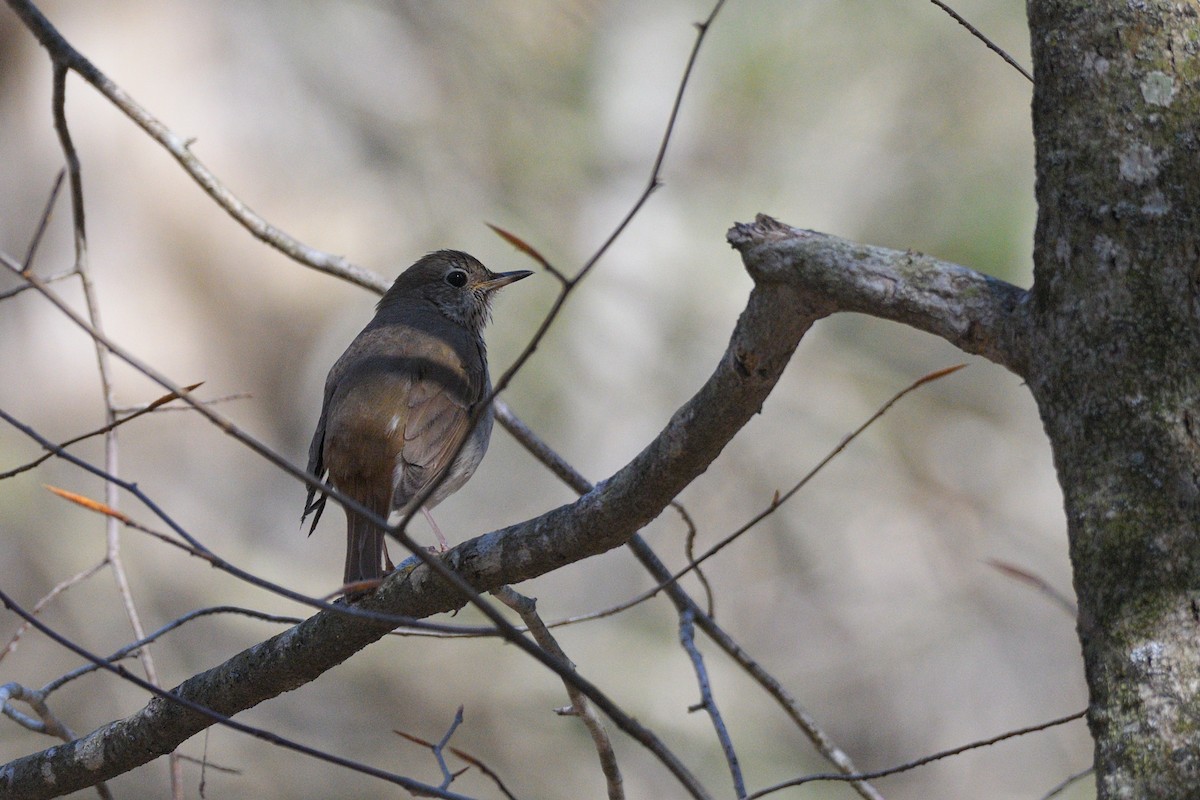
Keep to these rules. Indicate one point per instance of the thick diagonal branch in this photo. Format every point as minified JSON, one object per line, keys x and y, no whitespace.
{"x":974,"y":312}
{"x":767,"y":333}
{"x":793,"y":288}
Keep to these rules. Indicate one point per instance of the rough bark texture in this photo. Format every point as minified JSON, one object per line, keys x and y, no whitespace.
{"x":1115,"y":365}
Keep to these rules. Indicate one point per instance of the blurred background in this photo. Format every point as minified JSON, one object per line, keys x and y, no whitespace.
{"x":384,"y":130}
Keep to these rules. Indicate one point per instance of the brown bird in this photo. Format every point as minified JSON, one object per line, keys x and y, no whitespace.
{"x":399,"y":401}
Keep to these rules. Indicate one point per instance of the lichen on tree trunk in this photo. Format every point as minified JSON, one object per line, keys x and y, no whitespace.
{"x":1115,"y":364}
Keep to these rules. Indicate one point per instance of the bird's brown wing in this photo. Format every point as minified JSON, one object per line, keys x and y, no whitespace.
{"x":440,"y":399}
{"x":397,"y":407}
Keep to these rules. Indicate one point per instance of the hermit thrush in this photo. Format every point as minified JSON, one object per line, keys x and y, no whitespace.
{"x":398,"y":403}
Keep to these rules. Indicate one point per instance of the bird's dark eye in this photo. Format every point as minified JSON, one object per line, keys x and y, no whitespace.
{"x":456,"y":278}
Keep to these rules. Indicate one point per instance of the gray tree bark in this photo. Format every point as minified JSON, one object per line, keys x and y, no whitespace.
{"x":1108,"y":340}
{"x":1114,"y":337}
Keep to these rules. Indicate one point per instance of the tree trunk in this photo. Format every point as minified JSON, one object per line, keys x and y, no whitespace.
{"x":1114,"y":364}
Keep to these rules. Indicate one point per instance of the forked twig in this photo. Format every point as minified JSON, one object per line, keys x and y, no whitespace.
{"x":687,"y":637}
{"x":526,"y":607}
{"x":467,"y":757}
{"x":683,"y":602}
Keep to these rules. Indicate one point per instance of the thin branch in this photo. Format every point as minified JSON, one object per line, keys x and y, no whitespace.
{"x":655,"y":181}
{"x":467,"y":757}
{"x":104,"y":369}
{"x":710,"y":600}
{"x":687,"y":637}
{"x":819,"y":738}
{"x":49,"y":279}
{"x":1037,"y":582}
{"x":44,"y":220}
{"x":920,"y":762}
{"x":206,"y":764}
{"x":177,"y":700}
{"x":779,"y":499}
{"x":132,"y":647}
{"x":439,"y":749}
{"x":1066,"y":783}
{"x":1012,"y":62}
{"x":98,"y":431}
{"x":486,"y":770}
{"x":776,"y":502}
{"x":526,"y":607}
{"x":683,"y":602}
{"x":54,"y":592}
{"x":64,"y":54}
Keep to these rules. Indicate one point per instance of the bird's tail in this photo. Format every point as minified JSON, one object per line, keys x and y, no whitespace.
{"x":364,"y":548}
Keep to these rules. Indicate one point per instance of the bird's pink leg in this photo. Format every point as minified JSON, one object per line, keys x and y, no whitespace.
{"x":443,"y":545}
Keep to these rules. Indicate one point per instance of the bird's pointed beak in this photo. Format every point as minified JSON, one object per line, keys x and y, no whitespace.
{"x":504,"y":279}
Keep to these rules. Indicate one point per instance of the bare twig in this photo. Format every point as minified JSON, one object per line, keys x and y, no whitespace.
{"x":58,"y":589}
{"x":206,"y":764}
{"x":486,"y":770}
{"x":104,"y":369}
{"x":570,"y":476}
{"x":819,"y":738}
{"x":779,"y":499}
{"x":1066,"y":783}
{"x":919,"y":762}
{"x":710,"y":601}
{"x":1036,"y":581}
{"x":467,"y":757}
{"x":655,"y":181}
{"x":526,"y":607}
{"x":44,"y":220}
{"x":1012,"y":62}
{"x":439,"y":749}
{"x":687,"y":637}
{"x":105,"y":429}
{"x":177,"y":699}
{"x":67,"y":57}
{"x":133,"y":647}
{"x":49,"y":279}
